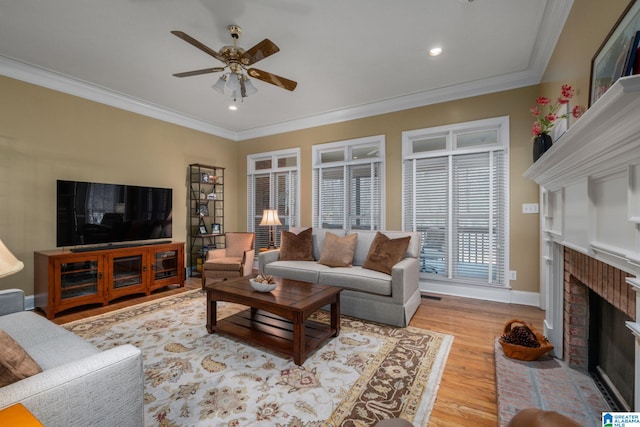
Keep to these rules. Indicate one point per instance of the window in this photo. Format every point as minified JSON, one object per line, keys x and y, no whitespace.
{"x":348,"y":184}
{"x":455,"y":192}
{"x":273,"y":183}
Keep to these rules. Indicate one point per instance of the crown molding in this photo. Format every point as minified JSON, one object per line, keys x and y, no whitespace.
{"x":420,"y":99}
{"x":46,"y":78}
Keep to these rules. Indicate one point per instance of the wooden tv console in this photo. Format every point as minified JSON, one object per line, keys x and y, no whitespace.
{"x":65,"y":279}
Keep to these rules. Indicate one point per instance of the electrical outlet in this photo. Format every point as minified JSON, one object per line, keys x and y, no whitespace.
{"x":513,"y":275}
{"x":530,"y":208}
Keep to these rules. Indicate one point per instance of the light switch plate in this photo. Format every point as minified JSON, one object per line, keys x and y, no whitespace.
{"x":530,"y":208}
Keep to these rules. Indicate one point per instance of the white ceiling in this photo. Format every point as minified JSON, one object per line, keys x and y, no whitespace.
{"x":351,"y":58}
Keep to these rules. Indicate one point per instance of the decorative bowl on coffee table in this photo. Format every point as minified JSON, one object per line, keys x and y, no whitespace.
{"x":262,"y":286}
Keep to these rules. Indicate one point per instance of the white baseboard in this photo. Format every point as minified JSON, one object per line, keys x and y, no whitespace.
{"x":486,"y":293}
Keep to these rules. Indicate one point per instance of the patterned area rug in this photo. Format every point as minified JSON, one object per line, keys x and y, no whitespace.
{"x":368,"y":373}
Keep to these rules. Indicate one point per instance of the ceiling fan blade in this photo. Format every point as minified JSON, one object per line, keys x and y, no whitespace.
{"x":260,"y":51}
{"x":198,"y":72}
{"x":199,"y":45}
{"x":272,"y":78}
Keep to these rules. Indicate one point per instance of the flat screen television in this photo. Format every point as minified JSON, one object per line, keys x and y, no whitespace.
{"x":96,"y":213}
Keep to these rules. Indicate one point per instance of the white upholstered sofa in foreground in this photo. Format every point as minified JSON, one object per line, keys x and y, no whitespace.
{"x":79,"y":385}
{"x":368,"y":294}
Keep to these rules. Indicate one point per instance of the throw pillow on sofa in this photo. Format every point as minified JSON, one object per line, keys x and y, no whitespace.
{"x":15,"y":363}
{"x":296,"y":247}
{"x":338,"y":251}
{"x":384,"y":252}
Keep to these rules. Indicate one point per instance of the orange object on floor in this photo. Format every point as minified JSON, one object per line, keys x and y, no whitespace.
{"x":17,"y":415}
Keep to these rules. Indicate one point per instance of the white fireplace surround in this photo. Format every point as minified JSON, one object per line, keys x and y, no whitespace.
{"x":590,"y":201}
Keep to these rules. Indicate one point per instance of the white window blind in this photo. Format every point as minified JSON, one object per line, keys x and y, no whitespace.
{"x":456,"y":196}
{"x":272,"y":183}
{"x":348,"y":184}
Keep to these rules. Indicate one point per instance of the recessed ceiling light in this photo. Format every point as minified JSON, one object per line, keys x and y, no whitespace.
{"x":233,"y":107}
{"x":435,"y":51}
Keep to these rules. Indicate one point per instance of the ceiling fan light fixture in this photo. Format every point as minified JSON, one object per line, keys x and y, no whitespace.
{"x":219,"y":86}
{"x":233,"y":82}
{"x":236,"y":59}
{"x":250,"y":89}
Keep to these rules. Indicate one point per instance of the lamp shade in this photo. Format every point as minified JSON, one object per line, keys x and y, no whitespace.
{"x":249,"y":87}
{"x":9,"y":264}
{"x":219,"y":86}
{"x":270,"y":217}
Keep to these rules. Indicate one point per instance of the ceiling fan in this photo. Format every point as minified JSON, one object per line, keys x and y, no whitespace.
{"x":236,"y":59}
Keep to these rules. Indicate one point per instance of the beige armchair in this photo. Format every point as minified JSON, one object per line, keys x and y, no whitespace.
{"x":235,"y":260}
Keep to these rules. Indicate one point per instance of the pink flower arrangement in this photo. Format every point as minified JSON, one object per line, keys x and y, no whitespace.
{"x":546,"y":114}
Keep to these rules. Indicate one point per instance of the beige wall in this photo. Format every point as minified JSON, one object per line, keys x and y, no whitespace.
{"x":515,"y":104}
{"x":46,"y":135}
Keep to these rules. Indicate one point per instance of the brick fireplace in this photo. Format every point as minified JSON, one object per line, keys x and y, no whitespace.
{"x":581,"y":273}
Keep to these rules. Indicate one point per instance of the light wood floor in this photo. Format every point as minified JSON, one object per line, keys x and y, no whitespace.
{"x":467,"y":394}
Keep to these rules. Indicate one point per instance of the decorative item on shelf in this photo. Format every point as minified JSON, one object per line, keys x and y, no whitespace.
{"x":203,"y":209}
{"x":541,"y":143}
{"x":213,"y":179}
{"x":9,"y":264}
{"x":270,"y":218}
{"x":203,"y":229}
{"x":215,"y":228}
{"x":547,"y":115}
{"x":523,"y":342}
{"x":205,"y":177}
{"x":203,"y":196}
{"x":212,"y":196}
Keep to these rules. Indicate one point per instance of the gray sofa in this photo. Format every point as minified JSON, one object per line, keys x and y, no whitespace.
{"x":79,"y":385}
{"x":371,"y":295}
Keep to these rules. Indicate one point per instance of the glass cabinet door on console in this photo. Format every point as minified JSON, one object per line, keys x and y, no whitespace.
{"x":128,"y":271}
{"x":79,"y":281}
{"x":166,"y":266}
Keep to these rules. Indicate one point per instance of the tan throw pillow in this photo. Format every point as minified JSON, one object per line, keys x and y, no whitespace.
{"x":338,"y":251}
{"x":384,"y":252}
{"x":15,"y":363}
{"x":296,"y":247}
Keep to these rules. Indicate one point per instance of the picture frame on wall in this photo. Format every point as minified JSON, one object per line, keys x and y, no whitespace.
{"x":610,"y":61}
{"x":632,"y":66}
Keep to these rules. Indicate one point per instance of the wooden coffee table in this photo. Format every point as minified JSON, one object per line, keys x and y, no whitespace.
{"x":278,"y":320}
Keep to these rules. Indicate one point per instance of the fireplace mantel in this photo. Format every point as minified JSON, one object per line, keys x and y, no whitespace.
{"x":590,"y":180}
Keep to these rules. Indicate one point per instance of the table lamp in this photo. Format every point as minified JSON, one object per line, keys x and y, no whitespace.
{"x":9,"y":264}
{"x":270,"y":218}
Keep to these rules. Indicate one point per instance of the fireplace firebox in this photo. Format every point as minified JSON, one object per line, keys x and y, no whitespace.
{"x":598,"y":303}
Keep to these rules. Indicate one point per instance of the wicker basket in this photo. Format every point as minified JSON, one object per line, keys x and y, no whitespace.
{"x":521,"y":352}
